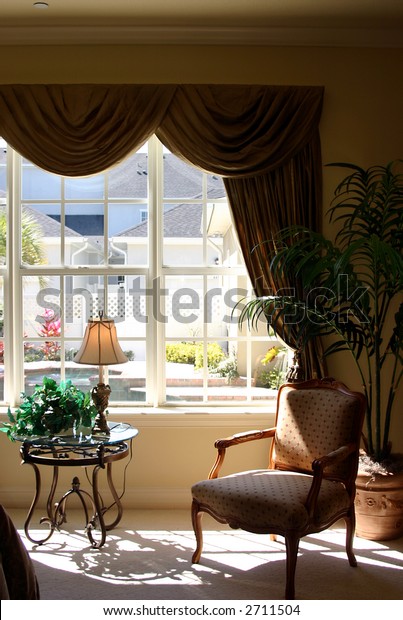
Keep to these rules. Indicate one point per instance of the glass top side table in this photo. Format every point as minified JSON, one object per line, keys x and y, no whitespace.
{"x":99,"y":452}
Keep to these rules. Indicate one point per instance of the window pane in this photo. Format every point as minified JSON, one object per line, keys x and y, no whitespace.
{"x":84,"y":188}
{"x":128,"y":381}
{"x":136,"y":297}
{"x":222,"y":243}
{"x":183,"y":307}
{"x":85,"y":219}
{"x":270,"y":360}
{"x":130,"y":178}
{"x":84,"y":376}
{"x":34,"y":237}
{"x":41,"y":234}
{"x":184,"y":371}
{"x":40,"y":359}
{"x":181,"y":180}
{"x":222,"y":294}
{"x":37,"y":184}
{"x":215,"y":187}
{"x":128,"y":234}
{"x":127,"y":307}
{"x":183,"y":234}
{"x":225,"y":381}
{"x":119,"y":304}
{"x":84,"y":234}
{"x":41,"y":299}
{"x":84,"y":299}
{"x":123,"y":217}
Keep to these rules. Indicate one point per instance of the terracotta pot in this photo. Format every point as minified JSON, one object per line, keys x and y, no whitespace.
{"x":379,"y":506}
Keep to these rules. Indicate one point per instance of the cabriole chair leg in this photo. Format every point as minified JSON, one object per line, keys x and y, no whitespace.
{"x":197,"y":528}
{"x":292,"y":545}
{"x":350,"y":530}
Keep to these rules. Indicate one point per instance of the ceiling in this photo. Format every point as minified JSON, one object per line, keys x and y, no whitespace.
{"x":273,"y":22}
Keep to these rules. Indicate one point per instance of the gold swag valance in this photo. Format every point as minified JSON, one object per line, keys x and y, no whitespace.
{"x":82,"y":129}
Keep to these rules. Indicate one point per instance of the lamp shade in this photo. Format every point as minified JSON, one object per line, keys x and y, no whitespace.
{"x":100,"y":345}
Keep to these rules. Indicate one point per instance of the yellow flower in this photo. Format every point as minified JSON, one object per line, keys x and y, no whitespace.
{"x":270,"y":355}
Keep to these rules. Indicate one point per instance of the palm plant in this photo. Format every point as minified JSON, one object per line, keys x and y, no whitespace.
{"x":32,"y":251}
{"x":349,"y":288}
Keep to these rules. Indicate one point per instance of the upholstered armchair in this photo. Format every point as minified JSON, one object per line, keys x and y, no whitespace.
{"x":310,"y":482}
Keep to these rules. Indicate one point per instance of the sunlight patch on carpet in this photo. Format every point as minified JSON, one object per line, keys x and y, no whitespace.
{"x":361,"y":559}
{"x":390,"y":553}
{"x":240,"y":561}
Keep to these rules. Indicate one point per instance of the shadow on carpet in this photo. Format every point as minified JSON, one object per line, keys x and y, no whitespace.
{"x":156,"y":565}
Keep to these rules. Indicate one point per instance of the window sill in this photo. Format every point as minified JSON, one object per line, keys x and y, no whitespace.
{"x":197,"y":416}
{"x":207,"y":417}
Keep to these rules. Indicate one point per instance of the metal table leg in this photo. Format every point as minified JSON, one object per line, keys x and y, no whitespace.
{"x":48,"y":519}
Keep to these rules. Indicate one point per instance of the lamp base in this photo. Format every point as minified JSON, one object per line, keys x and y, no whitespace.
{"x":100,"y":396}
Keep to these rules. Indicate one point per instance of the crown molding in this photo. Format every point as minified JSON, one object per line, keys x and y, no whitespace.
{"x":150,"y":35}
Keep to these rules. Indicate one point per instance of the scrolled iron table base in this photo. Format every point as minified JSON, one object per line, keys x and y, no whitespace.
{"x":98,"y":453}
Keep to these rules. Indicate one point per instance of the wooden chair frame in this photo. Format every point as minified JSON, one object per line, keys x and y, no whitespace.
{"x":319,"y":471}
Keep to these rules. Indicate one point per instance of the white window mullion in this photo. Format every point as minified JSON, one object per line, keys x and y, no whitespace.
{"x":205,"y":341}
{"x":106,"y":221}
{"x":63,"y":330}
{"x":63,"y":223}
{"x":204,"y":218}
{"x":9,"y":316}
{"x":106,"y":257}
{"x":155,"y":341}
{"x":17,"y":287}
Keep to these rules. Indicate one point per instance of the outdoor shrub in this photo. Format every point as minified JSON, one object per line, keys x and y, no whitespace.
{"x":192,"y":353}
{"x":228,"y":368}
{"x":181,"y":352}
{"x":215,"y":355}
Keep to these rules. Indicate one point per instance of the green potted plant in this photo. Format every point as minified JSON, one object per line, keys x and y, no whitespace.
{"x":350,"y":291}
{"x":52,"y":409}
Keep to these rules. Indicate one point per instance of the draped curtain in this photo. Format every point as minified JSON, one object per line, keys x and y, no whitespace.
{"x":264,"y":141}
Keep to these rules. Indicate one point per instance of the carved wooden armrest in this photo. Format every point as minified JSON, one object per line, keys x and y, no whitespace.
{"x":319,"y":465}
{"x":235,"y":440}
{"x":337,"y":456}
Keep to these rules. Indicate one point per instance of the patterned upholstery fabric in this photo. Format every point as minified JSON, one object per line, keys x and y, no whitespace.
{"x":265,"y":500}
{"x":310,"y":424}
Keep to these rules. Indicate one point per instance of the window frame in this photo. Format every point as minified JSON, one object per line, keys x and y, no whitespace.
{"x":14,"y":272}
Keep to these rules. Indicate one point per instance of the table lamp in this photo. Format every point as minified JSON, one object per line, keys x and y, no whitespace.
{"x":100,"y":347}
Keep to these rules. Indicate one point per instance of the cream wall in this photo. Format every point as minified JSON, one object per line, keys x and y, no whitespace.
{"x":361,"y":122}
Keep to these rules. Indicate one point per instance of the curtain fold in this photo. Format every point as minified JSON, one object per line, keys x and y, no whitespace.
{"x":80,"y":129}
{"x":264,"y":141}
{"x":240,"y":130}
{"x":261,"y":207}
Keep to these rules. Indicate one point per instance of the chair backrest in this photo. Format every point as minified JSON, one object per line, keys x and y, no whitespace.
{"x":314,"y":418}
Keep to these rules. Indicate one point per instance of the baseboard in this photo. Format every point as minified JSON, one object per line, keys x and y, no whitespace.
{"x":143,"y":498}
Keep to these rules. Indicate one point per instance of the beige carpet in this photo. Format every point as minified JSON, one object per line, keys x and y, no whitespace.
{"x":148,"y":557}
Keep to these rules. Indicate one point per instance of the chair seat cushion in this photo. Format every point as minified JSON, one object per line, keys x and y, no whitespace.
{"x":269,"y":500}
